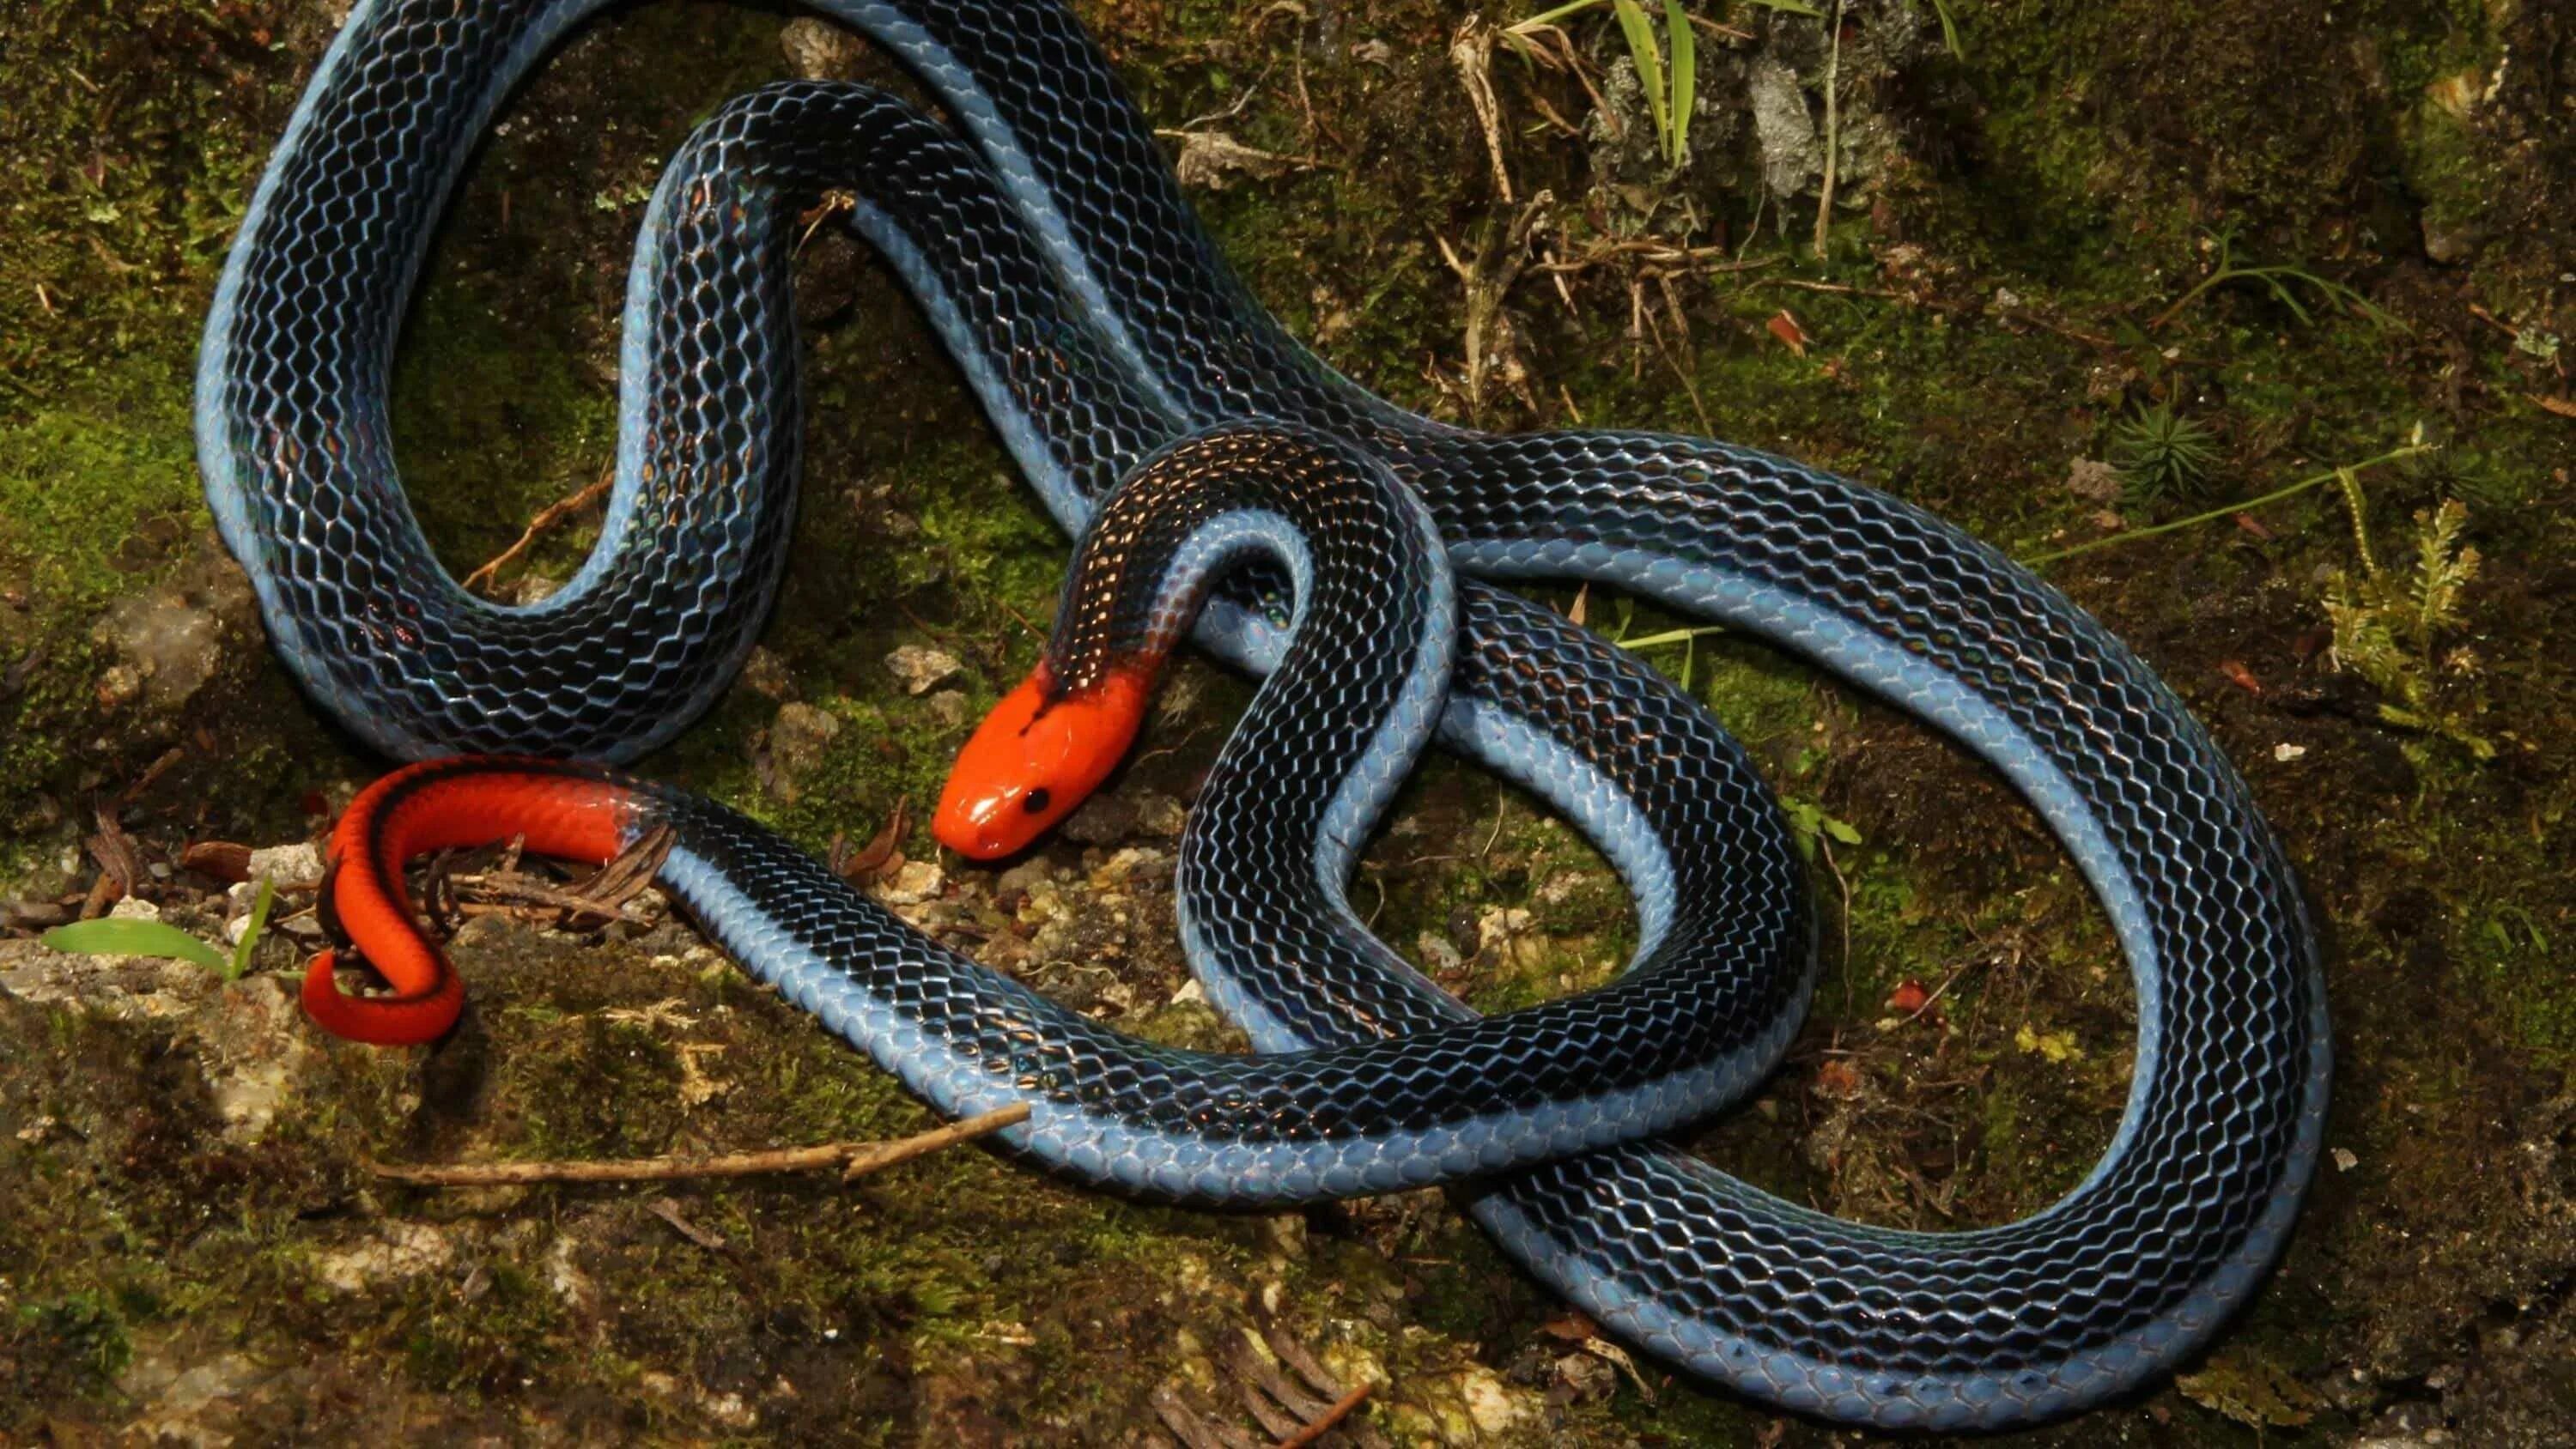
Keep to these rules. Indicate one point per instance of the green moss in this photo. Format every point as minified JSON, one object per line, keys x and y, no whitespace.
{"x":73,"y":1346}
{"x":86,"y":484}
{"x":98,"y":498}
{"x":993,"y":554}
{"x":493,"y":431}
{"x":2446,"y":163}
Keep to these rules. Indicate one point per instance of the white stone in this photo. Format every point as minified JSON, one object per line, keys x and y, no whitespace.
{"x":920,"y":669}
{"x":1494,"y":1407}
{"x":916,"y":882}
{"x":287,"y":864}
{"x":400,"y":1250}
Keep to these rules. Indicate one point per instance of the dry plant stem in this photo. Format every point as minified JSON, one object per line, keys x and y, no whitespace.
{"x":855,"y":1159}
{"x":1472,"y":52}
{"x":1972,"y":309}
{"x":545,"y":522}
{"x":1833,"y":69}
{"x":516,"y":895}
{"x":2275,"y":496}
{"x":1654,"y":252}
{"x":1488,"y":282}
{"x":1341,"y":1409}
{"x":834,"y":203}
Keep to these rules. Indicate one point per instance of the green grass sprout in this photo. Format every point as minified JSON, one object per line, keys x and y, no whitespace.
{"x":1671,"y":90}
{"x":249,"y":942}
{"x":113,"y":936}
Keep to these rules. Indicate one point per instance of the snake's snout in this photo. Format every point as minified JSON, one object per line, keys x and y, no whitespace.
{"x":1035,"y":758}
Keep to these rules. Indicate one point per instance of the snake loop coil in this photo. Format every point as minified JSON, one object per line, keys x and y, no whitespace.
{"x":1048,"y":243}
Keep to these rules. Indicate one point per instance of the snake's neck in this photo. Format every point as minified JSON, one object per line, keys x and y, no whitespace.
{"x":1364,"y":668}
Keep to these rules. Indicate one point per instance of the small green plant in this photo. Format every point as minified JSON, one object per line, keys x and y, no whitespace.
{"x":2161,"y":454}
{"x":1687,"y":638}
{"x":2282,"y":281}
{"x":2453,"y":472}
{"x":110,"y":936}
{"x":1670,"y":92}
{"x":81,"y":1337}
{"x":1809,"y":824}
{"x":2414,"y":447}
{"x":2388,"y":625}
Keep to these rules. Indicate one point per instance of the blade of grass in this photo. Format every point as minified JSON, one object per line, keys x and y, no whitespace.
{"x":1650,"y":66}
{"x":109,"y":936}
{"x":1670,"y":636}
{"x":1559,"y":13}
{"x":250,"y":934}
{"x":1677,"y":34}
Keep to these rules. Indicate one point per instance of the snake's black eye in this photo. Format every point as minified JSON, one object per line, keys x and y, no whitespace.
{"x":1036,"y":801}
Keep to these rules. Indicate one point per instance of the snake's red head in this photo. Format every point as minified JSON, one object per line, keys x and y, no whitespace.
{"x":1039,"y":754}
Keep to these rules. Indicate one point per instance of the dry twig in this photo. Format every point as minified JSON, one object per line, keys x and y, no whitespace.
{"x":1289,"y":1395}
{"x":1341,"y":1409}
{"x":551,"y":518}
{"x":855,"y":1159}
{"x":504,"y":890}
{"x":1833,"y":141}
{"x":1492,"y":342}
{"x":120,"y":866}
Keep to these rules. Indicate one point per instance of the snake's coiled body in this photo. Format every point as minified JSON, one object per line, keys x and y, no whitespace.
{"x":1059,"y":262}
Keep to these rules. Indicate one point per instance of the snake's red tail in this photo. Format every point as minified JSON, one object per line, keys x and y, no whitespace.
{"x":570,"y":811}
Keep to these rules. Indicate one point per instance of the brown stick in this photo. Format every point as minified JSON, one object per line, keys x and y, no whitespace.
{"x":516,"y":895}
{"x":1340,"y":1410}
{"x":553,"y":515}
{"x":855,"y":1159}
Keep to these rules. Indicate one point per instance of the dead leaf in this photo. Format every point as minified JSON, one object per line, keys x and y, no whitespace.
{"x":1838,"y":1078}
{"x":2250,"y":1391}
{"x":878,"y":858}
{"x":119,"y":865}
{"x":1573,"y":1326}
{"x":2249,"y":523}
{"x":2565,"y":407}
{"x":2240,"y":676}
{"x":625,"y":877}
{"x":1214,"y":159}
{"x":225,"y":860}
{"x":1786,"y":328}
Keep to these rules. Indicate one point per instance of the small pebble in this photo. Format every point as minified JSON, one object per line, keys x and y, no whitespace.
{"x":920,"y":670}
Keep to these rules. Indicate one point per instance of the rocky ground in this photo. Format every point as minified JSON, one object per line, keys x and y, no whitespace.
{"x":2086,"y":272}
